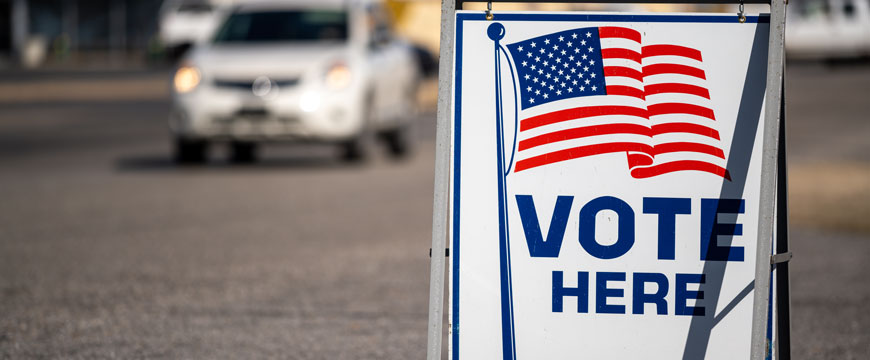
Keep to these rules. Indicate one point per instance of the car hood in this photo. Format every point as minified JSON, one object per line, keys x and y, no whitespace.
{"x":273,"y":60}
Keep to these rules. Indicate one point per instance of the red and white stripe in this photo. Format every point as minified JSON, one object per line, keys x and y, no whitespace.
{"x":657,"y":111}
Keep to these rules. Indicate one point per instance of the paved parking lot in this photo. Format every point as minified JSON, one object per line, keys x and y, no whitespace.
{"x":108,"y":250}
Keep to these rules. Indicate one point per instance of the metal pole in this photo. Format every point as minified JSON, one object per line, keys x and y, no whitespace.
{"x":783,"y":299}
{"x":442,"y":181}
{"x":770,"y":150}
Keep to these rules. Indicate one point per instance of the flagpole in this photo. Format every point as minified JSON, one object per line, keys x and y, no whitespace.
{"x":496,"y":32}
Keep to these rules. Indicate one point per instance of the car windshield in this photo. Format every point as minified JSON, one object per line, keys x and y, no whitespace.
{"x":302,"y":25}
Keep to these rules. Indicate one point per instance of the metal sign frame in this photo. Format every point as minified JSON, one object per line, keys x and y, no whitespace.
{"x":773,"y":215}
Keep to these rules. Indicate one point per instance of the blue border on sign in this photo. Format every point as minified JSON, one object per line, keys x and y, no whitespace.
{"x":457,"y":101}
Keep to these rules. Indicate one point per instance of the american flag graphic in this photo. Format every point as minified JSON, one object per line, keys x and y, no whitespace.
{"x":598,"y":90}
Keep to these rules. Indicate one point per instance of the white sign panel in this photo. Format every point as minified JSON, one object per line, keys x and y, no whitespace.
{"x":605,"y":185}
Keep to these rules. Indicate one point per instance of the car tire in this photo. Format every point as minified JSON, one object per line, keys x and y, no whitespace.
{"x":243,"y":152}
{"x":359,"y":148}
{"x":400,"y":141}
{"x":190,"y":151}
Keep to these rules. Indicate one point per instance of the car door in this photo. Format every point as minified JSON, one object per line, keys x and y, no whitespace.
{"x":387,"y":68}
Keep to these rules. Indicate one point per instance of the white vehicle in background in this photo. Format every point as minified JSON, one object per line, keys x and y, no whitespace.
{"x":828,"y":29}
{"x":183,"y":23}
{"x":313,"y":70}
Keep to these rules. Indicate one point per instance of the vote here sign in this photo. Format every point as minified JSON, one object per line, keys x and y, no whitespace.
{"x":605,"y":185}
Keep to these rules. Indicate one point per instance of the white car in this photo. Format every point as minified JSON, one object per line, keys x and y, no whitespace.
{"x":828,"y":29}
{"x":313,"y":70}
{"x":183,"y":23}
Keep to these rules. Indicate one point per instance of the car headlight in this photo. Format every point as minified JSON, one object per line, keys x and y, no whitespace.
{"x":186,"y":79}
{"x":338,"y":77}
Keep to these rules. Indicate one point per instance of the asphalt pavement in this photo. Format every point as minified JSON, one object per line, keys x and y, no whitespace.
{"x":109,"y":250}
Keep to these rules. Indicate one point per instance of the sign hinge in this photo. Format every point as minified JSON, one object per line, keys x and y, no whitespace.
{"x":446,"y":252}
{"x":780,"y":258}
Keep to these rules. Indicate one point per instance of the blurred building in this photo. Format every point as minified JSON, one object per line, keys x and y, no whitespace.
{"x":37,"y":31}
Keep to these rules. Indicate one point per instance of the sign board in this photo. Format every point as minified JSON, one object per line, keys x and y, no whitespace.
{"x":606,"y":185}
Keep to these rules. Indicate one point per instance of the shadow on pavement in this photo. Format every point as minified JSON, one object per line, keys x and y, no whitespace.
{"x":164,"y":163}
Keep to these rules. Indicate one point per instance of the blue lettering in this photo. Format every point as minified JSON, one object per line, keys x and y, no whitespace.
{"x":658,"y":298}
{"x":581,"y":291}
{"x":532,"y":228}
{"x":711,"y":229}
{"x":683,"y":294}
{"x":625,"y":236}
{"x":667,"y":209}
{"x":602,"y":292}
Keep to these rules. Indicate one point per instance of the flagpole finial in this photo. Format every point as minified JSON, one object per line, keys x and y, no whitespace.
{"x":495,"y":31}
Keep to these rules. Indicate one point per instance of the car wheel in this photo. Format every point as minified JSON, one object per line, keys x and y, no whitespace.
{"x":400,"y":141}
{"x":189,"y":151}
{"x":359,"y":148}
{"x":243,"y":152}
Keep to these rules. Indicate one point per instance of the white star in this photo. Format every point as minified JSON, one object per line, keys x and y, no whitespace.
{"x":592,"y":75}
{"x":587,"y":81}
{"x":542,"y":50}
{"x":580,"y":75}
{"x":569,"y":44}
{"x":550,"y":55}
{"x":527,"y":76}
{"x":591,"y":62}
{"x":573,"y":70}
{"x":564,"y":52}
{"x":560,"y":72}
{"x":548,"y":75}
{"x":585,"y":68}
{"x":546,"y":63}
{"x":556,"y":78}
{"x":590,"y":49}
{"x":579,"y":64}
{"x":584,"y":57}
{"x":561,"y":38}
{"x":594,"y":88}
{"x":533,"y":44}
{"x":543,"y":84}
{"x":582,"y":88}
{"x":547,"y":41}
{"x":553,"y":67}
{"x":571,"y":58}
{"x":534,"y":67}
{"x":558,"y":60}
{"x":555,"y":47}
{"x":537,"y":92}
{"x":567,"y":76}
{"x":576,"y":50}
{"x":551,"y":87}
{"x":529,"y":54}
{"x":558,"y":92}
{"x":574,"y":83}
{"x":562,"y":84}
{"x":565,"y":64}
{"x":535,"y":79}
{"x":582,"y":42}
{"x":573,"y":36}
{"x":570,"y":90}
{"x":546,"y":96}
{"x":589,"y":34}
{"x":519,"y":48}
{"x":531,"y":101}
{"x":540,"y":71}
{"x":525,"y":63}
{"x":537,"y":58}
{"x":529,"y":89}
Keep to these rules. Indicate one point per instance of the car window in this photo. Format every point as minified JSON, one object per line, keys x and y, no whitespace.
{"x":302,"y":25}
{"x":194,"y":6}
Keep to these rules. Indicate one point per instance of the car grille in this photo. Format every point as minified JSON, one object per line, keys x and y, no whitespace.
{"x":247,"y":84}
